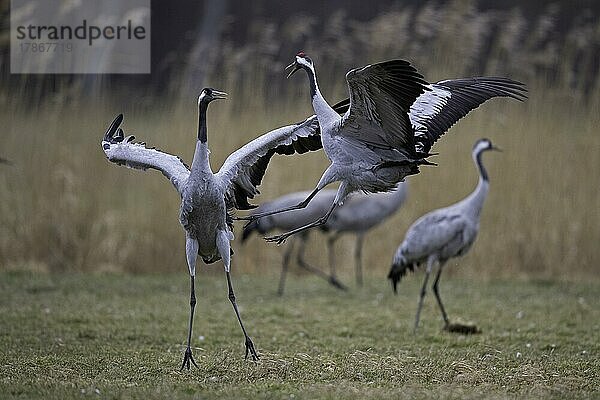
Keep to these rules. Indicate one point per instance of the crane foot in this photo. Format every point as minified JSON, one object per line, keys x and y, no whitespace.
{"x":463,"y":329}
{"x":279,"y":239}
{"x":187,"y":358}
{"x":250,"y":349}
{"x":333,"y":281}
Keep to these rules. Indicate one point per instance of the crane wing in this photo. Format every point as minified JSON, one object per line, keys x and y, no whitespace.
{"x":434,"y":232}
{"x":243,"y":170}
{"x":436,"y":110}
{"x":124,"y":151}
{"x":380,"y":98}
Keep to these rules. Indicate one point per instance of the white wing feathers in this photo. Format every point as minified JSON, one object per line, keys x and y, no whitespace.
{"x":123,"y":151}
{"x":436,"y":110}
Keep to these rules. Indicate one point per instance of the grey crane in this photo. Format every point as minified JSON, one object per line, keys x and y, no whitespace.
{"x":359,"y":214}
{"x":207,"y":198}
{"x":291,"y":220}
{"x":443,"y":234}
{"x":371,"y":147}
{"x":393,"y":119}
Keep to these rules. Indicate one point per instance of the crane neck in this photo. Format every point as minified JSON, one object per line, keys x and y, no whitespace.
{"x":202,"y":132}
{"x":477,"y":198}
{"x":482,"y":171}
{"x":399,"y":195}
{"x":201,"y":162}
{"x":322,"y":109}
{"x":395,"y":199}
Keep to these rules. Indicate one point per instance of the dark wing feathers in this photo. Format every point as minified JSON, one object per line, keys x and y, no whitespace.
{"x":435,"y":111}
{"x":244,"y":169}
{"x":380,"y":98}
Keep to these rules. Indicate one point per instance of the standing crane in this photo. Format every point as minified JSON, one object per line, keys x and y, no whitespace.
{"x":359,"y":214}
{"x":208,"y":198}
{"x":292,"y":220}
{"x":443,"y":234}
{"x":376,"y":143}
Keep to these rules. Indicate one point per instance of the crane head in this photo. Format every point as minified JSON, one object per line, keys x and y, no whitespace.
{"x":301,"y":61}
{"x":484,"y":145}
{"x":209,"y":94}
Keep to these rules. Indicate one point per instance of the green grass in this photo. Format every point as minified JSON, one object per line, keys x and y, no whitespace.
{"x":122,"y":336}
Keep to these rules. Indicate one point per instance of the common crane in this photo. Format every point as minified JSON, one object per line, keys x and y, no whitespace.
{"x":292,"y":220}
{"x":359,"y":214}
{"x":207,"y":198}
{"x":443,"y":234}
{"x":376,"y":143}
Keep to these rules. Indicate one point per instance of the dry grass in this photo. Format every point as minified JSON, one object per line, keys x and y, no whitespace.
{"x":64,"y":207}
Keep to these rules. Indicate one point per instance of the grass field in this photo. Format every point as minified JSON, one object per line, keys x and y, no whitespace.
{"x":122,"y":336}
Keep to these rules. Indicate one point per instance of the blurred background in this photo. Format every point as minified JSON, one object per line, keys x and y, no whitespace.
{"x":64,"y":207}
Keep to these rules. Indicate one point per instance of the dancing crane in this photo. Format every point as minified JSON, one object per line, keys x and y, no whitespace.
{"x":207,"y":198}
{"x":393,"y":119}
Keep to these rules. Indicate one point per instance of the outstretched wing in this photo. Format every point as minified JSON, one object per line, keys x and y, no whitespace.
{"x":123,"y":151}
{"x":243,"y":170}
{"x":380,"y":98}
{"x":435,"y":111}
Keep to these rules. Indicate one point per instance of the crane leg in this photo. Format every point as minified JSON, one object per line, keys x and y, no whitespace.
{"x":437,"y":294}
{"x":298,"y":206}
{"x":284,"y":267}
{"x":341,"y":194}
{"x":358,"y":258}
{"x":187,"y":358}
{"x":430,"y":261}
{"x":279,"y":239}
{"x":331,"y":251}
{"x":302,"y":263}
{"x":249,"y":345}
{"x":191,"y":251}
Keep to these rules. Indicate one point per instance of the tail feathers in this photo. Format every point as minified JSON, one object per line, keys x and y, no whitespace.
{"x":397,"y":271}
{"x":216,"y":257}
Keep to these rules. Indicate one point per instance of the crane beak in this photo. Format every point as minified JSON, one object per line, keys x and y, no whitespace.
{"x":219,"y":95}
{"x":496,"y":149}
{"x":292,"y":65}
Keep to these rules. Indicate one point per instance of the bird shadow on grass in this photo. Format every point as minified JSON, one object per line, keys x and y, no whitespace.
{"x":462,"y":328}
